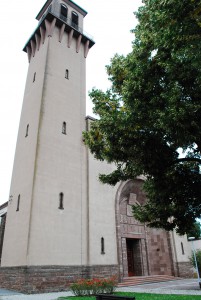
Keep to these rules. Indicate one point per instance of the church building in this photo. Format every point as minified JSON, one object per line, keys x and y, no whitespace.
{"x":60,"y":223}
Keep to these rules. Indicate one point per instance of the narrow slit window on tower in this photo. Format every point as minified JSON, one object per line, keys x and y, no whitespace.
{"x":182,"y":248}
{"x":18,"y":203}
{"x":74,"y":20}
{"x":61,"y":201}
{"x":63,"y":12}
{"x":102,"y":246}
{"x":27,"y":130}
{"x":34,"y":77}
{"x":64,"y":128}
{"x":67,"y":74}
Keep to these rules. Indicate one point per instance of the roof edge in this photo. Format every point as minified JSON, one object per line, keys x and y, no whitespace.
{"x":4,"y":205}
{"x":90,"y":118}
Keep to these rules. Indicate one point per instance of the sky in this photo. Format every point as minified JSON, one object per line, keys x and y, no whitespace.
{"x":108,"y":21}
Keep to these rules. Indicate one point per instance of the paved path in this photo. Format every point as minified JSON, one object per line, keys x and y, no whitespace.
{"x":184,"y":286}
{"x":50,"y":296}
{"x":4,"y":292}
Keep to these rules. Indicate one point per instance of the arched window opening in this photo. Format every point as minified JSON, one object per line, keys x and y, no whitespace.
{"x":64,"y":128}
{"x":102,"y":246}
{"x":63,"y":12}
{"x":61,"y":201}
{"x":18,"y":203}
{"x":75,"y":20}
{"x":27,"y":130}
{"x":67,"y":74}
{"x":182,"y":248}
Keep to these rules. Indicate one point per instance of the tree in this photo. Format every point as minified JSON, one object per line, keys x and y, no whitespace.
{"x":149,"y":121}
{"x":195,"y":231}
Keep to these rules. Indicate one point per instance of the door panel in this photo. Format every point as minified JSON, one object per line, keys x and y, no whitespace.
{"x":130,"y":257}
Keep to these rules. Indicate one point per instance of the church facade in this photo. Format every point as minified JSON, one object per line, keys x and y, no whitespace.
{"x":61,"y":223}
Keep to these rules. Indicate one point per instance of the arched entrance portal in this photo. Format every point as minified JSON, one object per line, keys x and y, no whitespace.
{"x":141,"y":251}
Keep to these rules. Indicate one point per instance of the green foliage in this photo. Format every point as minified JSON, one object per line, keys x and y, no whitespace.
{"x":142,"y":296}
{"x":198,"y":258}
{"x":87,"y":287}
{"x":152,"y":114}
{"x":195,"y":231}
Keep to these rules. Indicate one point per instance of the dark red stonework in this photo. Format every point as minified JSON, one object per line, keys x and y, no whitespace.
{"x":151,"y":247}
{"x":185,"y":270}
{"x":160,"y":260}
{"x":37,"y":279}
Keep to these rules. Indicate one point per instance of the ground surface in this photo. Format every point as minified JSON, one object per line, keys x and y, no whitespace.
{"x":184,"y":286}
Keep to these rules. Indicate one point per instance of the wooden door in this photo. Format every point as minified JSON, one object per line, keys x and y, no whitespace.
{"x":130,"y":258}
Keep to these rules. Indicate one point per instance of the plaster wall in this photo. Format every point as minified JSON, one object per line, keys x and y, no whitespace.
{"x":48,"y":162}
{"x":58,"y":237}
{"x":197,"y":245}
{"x":181,"y":254}
{"x":17,"y":226}
{"x":102,"y":222}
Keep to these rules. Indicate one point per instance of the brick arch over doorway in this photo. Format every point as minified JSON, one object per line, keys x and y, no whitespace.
{"x":141,"y":251}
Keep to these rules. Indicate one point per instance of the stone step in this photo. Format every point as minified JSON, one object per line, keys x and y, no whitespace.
{"x":137,"y":280}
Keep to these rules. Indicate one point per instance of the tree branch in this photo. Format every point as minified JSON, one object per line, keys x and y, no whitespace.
{"x":187,"y":159}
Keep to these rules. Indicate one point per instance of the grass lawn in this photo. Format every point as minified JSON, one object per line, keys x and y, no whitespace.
{"x":142,"y":296}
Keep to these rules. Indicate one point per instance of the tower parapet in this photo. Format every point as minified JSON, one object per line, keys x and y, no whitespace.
{"x":68,"y":17}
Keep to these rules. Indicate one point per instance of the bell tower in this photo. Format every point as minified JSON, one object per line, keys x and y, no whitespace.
{"x":47,"y":212}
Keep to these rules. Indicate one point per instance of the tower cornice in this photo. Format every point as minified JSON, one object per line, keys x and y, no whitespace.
{"x":46,"y":27}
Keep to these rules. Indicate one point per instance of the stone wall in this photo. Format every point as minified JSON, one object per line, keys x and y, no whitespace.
{"x":151,"y":247}
{"x":36,"y":279}
{"x":160,"y":260}
{"x":185,"y":270}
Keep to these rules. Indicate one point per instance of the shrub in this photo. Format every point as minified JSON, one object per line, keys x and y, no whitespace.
{"x":87,"y":287}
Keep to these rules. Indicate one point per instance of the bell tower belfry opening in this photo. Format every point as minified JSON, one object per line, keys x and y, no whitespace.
{"x":49,"y":230}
